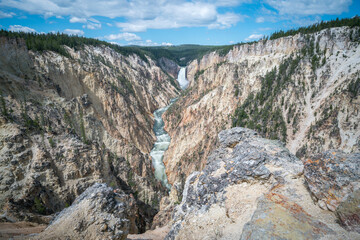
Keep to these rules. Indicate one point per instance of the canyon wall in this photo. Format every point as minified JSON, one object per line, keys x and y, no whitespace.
{"x":68,"y":122}
{"x":302,"y":89}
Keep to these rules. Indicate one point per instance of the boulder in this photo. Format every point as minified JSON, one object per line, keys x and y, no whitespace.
{"x":276,"y":217}
{"x":331,"y":176}
{"x":349,"y":211}
{"x":98,"y":213}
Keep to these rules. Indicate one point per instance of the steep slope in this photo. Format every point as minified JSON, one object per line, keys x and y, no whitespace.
{"x":253,"y":188}
{"x":67,"y":122}
{"x":302,"y":89}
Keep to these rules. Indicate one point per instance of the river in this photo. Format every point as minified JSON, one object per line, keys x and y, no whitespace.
{"x":162,"y":137}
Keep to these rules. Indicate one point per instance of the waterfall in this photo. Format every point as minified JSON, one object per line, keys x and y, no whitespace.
{"x":182,"y":78}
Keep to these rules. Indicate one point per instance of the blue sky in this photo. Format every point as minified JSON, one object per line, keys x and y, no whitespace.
{"x":165,"y":22}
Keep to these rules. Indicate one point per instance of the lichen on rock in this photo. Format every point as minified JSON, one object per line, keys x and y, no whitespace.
{"x":98,"y":213}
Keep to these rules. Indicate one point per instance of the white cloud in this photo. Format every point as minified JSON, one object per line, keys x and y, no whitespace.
{"x":226,"y":20}
{"x":149,"y":42}
{"x":92,"y":26}
{"x":78,"y":20}
{"x":91,"y":23}
{"x":219,"y":21}
{"x":138,"y":15}
{"x":301,"y":16}
{"x":6,"y":15}
{"x":260,"y":20}
{"x":19,"y":28}
{"x":123,"y":36}
{"x":109,"y":24}
{"x":228,"y":3}
{"x":74,"y":32}
{"x":310,"y":7}
{"x":253,"y":37}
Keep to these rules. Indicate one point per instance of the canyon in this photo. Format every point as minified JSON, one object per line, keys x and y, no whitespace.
{"x":264,"y":132}
{"x":302,"y":110}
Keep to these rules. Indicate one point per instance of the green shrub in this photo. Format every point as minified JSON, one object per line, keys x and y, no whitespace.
{"x":38,"y":206}
{"x":52,"y":142}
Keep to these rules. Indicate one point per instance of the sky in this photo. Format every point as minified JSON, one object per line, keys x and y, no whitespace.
{"x":170,"y":22}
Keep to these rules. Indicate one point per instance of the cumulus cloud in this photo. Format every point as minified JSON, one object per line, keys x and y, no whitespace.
{"x":188,"y":14}
{"x":138,"y":15}
{"x":166,"y":44}
{"x":78,"y":20}
{"x":123,"y":36}
{"x":226,"y":20}
{"x":6,"y":15}
{"x":116,"y":43}
{"x":310,"y":7}
{"x":253,"y":37}
{"x":19,"y":28}
{"x":74,"y":32}
{"x":212,"y":21}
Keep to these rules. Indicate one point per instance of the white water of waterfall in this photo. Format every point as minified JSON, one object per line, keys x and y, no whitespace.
{"x":182,"y":78}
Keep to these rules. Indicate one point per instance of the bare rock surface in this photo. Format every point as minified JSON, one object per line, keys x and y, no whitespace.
{"x":98,"y":213}
{"x":333,"y":178}
{"x":349,"y":211}
{"x":69,"y":122}
{"x":317,"y":108}
{"x":278,"y":218}
{"x":251,"y":188}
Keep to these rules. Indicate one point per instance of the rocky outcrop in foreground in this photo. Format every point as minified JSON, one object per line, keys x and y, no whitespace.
{"x":333,"y":178}
{"x":253,"y":188}
{"x":98,"y":213}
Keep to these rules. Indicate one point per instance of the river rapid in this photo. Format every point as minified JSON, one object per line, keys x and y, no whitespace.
{"x":162,"y":137}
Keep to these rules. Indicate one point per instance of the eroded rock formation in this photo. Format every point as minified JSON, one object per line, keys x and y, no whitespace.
{"x":252,"y":188}
{"x":301,"y":89}
{"x":69,"y":122}
{"x":98,"y":213}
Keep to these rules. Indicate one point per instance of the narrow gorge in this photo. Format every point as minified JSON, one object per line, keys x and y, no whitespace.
{"x":162,"y":137}
{"x":161,"y":145}
{"x":257,"y":140}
